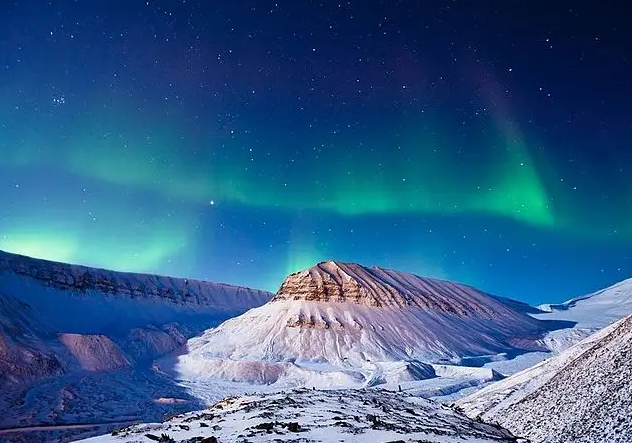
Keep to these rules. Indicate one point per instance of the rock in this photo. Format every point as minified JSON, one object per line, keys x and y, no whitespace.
{"x":347,"y":282}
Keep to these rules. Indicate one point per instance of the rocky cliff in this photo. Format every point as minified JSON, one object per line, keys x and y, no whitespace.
{"x":78,"y":343}
{"x":85,"y":280}
{"x":338,"y":282}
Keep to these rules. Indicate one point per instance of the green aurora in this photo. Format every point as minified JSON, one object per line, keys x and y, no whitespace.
{"x":394,"y":170}
{"x":417,"y":173}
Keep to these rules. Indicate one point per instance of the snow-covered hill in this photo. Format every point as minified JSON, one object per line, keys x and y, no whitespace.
{"x":329,"y":416}
{"x":589,"y":313}
{"x":345,"y":324}
{"x":583,"y":394}
{"x":60,"y":322}
{"x":594,"y":310}
{"x":91,"y":298}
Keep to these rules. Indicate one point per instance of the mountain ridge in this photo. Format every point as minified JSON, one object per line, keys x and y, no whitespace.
{"x":337,"y":281}
{"x":67,"y":331}
{"x":360,"y":326}
{"x":82,"y":278}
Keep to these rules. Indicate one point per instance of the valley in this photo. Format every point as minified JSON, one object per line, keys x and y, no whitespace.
{"x":181,"y":346}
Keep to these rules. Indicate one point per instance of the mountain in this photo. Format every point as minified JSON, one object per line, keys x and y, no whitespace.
{"x":346,"y":324}
{"x":589,"y":313}
{"x":317,"y":416}
{"x":583,"y":394}
{"x":62,"y":323}
{"x":594,"y":310}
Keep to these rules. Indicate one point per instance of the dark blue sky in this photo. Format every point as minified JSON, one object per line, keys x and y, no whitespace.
{"x":482,"y":142}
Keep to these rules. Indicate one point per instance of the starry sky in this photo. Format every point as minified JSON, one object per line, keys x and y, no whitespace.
{"x":239,"y":141}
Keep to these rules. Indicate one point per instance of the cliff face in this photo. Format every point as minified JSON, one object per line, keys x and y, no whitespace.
{"x":177,"y":291}
{"x":94,"y":352}
{"x":351,"y":283}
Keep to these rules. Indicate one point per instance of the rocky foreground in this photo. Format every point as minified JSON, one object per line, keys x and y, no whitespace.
{"x":304,"y":415}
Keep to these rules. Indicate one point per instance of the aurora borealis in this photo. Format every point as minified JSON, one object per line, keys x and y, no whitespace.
{"x":239,"y":141}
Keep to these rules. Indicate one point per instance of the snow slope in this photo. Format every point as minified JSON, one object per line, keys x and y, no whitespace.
{"x":583,"y":394}
{"x":66,"y":322}
{"x":345,"y":324}
{"x":589,"y":313}
{"x":594,"y":310}
{"x":96,"y":300}
{"x":46,"y":306}
{"x":317,"y":416}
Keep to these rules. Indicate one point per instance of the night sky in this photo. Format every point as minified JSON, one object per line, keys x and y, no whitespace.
{"x":237,"y":141}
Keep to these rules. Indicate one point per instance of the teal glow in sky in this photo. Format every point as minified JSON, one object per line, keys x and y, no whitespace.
{"x":229,"y":143}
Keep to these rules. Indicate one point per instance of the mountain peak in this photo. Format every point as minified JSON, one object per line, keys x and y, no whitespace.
{"x":366,"y":325}
{"x":333,"y":281}
{"x":338,"y":282}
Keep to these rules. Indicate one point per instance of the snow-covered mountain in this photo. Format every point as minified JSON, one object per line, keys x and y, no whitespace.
{"x":594,"y":310}
{"x":58,"y":321}
{"x":78,"y":343}
{"x":99,"y":295}
{"x":306,"y":415}
{"x":589,"y":313}
{"x":345,"y":324}
{"x":583,"y":394}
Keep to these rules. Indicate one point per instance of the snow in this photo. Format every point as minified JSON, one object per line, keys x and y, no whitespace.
{"x":589,"y":312}
{"x":318,"y":416}
{"x":346,"y":343}
{"x":299,"y":340}
{"x":522,"y":384}
{"x":583,"y":394}
{"x":72,"y":337}
{"x":95,"y":301}
{"x":595,"y":310}
{"x":83,"y":343}
{"x":344,"y":325}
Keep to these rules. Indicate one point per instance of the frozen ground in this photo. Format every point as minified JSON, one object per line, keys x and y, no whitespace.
{"x":306,"y":415}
